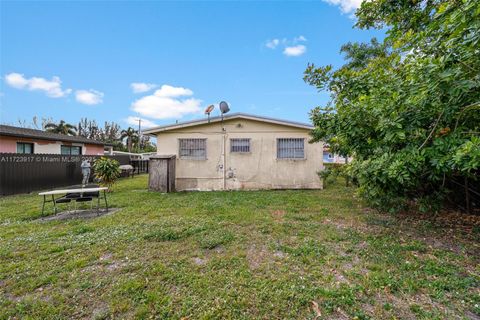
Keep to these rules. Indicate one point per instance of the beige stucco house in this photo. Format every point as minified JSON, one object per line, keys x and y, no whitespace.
{"x":241,"y":151}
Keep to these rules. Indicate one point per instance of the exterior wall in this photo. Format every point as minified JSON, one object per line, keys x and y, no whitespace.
{"x":9,"y":145}
{"x":93,"y":150}
{"x":52,"y":147}
{"x":258,"y":169}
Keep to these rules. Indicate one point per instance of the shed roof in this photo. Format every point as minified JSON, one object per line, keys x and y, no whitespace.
{"x":232,"y":116}
{"x":39,"y":134}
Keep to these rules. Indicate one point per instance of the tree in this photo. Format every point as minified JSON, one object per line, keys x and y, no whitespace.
{"x":146,"y":145}
{"x":89,"y":129}
{"x":406,"y":109}
{"x":131,"y":135}
{"x":107,"y":171}
{"x":110,"y":133}
{"x":34,"y":124}
{"x":62,"y":127}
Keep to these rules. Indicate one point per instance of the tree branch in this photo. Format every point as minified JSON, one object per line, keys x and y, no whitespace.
{"x":433,"y":129}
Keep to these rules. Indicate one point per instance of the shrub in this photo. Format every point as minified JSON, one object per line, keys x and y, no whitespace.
{"x":332,"y":172}
{"x":107,"y":171}
{"x":406,"y":108}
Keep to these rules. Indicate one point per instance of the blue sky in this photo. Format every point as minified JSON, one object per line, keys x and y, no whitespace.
{"x":79,"y":59}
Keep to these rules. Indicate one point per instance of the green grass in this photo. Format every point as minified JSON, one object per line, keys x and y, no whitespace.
{"x":233,"y":255}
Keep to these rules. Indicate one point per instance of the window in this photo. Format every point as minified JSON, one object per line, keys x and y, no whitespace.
{"x":194,"y":149}
{"x":330,"y":156}
{"x":71,"y":150}
{"x":240,"y":145}
{"x":23,"y":147}
{"x":291,"y":148}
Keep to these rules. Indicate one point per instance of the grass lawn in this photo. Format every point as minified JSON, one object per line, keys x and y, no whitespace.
{"x":234,"y":255}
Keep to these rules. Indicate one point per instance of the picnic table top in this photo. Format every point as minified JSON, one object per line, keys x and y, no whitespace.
{"x":78,"y":190}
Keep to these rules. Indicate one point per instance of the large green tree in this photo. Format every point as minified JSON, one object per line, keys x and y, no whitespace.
{"x":131,"y":135}
{"x":406,"y":108}
{"x":62,"y":127}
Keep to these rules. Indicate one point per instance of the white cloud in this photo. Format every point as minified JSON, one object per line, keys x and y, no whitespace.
{"x":52,"y":88}
{"x":133,"y":121}
{"x":166,"y":103}
{"x":299,"y":38}
{"x":89,"y":97}
{"x":347,"y":6}
{"x":139,"y":87}
{"x":291,"y":47}
{"x":169,"y":91}
{"x":295,"y":51}
{"x":272,"y":44}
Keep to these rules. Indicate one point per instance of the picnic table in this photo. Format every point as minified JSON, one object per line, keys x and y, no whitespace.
{"x":82,"y":194}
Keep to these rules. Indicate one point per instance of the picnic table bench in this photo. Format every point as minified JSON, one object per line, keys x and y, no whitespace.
{"x":127,"y":170}
{"x":74,"y":193}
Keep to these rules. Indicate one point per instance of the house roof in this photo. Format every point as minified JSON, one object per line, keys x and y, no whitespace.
{"x":39,"y":134}
{"x":227,"y":117}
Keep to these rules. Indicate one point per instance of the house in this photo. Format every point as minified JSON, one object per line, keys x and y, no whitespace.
{"x":330,"y":157}
{"x":32,"y":141}
{"x":132,"y":155}
{"x":241,"y":151}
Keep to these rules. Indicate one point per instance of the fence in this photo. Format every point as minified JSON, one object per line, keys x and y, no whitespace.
{"x":139,"y":166}
{"x":24,"y":173}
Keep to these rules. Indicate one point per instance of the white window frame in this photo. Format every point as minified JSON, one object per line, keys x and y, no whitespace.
{"x":193,"y":140}
{"x":292,"y":155}
{"x":249,"y":146}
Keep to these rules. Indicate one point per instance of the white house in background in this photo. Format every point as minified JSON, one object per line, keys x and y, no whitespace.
{"x":242,"y":151}
{"x":330,"y":157}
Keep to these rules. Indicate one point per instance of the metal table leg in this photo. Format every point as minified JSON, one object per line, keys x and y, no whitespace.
{"x":54,"y":205}
{"x":43,"y":205}
{"x":105,"y":197}
{"x":98,"y":204}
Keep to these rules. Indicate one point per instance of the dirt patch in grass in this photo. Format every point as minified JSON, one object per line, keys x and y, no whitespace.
{"x":199,"y":261}
{"x":338,"y":314}
{"x":256,"y":255}
{"x":454,"y":231}
{"x":79,"y":214}
{"x":101,"y":311}
{"x":278,"y":214}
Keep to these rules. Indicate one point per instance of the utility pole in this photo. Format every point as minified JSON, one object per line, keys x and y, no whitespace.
{"x":139,"y":135}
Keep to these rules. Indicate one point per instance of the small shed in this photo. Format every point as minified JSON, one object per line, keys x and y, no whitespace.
{"x":162,"y":173}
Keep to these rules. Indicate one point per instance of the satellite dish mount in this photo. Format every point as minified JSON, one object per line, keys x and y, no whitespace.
{"x":209,"y":110}
{"x":224,"y":108}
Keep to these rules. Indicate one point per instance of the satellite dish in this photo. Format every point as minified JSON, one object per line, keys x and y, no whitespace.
{"x":224,"y":108}
{"x":209,"y":109}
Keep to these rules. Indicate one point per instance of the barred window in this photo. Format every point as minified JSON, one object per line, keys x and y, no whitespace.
{"x":239,"y":145}
{"x":290,"y":148}
{"x":195,"y":149}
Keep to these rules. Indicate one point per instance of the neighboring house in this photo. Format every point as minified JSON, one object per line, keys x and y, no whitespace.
{"x":133,"y":155}
{"x":329,"y":157}
{"x":241,"y":152}
{"x":31,"y":141}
